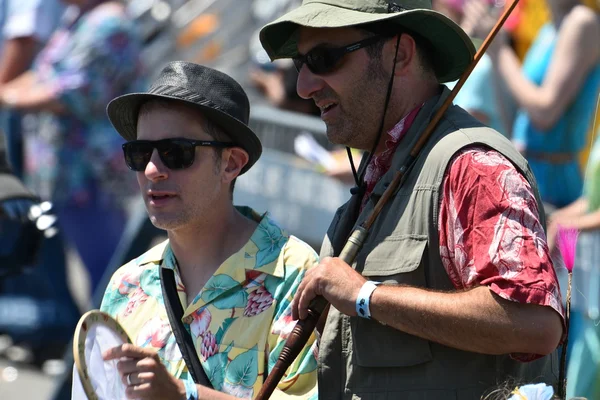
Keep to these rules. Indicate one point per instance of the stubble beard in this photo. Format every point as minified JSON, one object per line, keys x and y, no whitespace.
{"x":169,"y":221}
{"x":359,"y":117}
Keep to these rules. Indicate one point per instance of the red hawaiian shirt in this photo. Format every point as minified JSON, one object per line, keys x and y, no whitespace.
{"x":489,"y":228}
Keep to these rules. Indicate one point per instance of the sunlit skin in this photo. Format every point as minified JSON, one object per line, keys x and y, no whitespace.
{"x":179,"y":199}
{"x":193,"y":204}
{"x":357,"y":86}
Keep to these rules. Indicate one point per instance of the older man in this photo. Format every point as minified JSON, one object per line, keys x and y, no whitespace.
{"x":453,"y":290}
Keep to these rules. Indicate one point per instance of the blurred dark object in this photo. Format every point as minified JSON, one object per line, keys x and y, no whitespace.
{"x":19,"y":235}
{"x":23,"y":221}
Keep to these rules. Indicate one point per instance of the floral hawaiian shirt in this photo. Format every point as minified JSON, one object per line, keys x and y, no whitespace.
{"x":90,"y":59}
{"x":240,"y":319}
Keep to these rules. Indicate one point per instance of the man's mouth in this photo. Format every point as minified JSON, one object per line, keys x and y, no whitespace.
{"x":326,"y":107}
{"x":157,"y":196}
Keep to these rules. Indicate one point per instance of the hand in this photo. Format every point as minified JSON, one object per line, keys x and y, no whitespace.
{"x":333,"y":279}
{"x":477,"y":20}
{"x":8,"y":98}
{"x":148,"y":376}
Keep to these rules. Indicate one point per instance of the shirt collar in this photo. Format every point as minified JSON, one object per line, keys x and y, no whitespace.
{"x":262,"y":253}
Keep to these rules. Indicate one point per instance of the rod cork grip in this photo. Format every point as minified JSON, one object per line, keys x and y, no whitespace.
{"x":353,"y":245}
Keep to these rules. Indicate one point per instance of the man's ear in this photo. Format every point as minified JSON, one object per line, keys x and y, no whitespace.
{"x":234,"y":159}
{"x":406,"y":53}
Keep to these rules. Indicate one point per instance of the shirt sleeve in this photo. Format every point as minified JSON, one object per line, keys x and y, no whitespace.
{"x":300,"y":380}
{"x":100,"y":60}
{"x":490,"y":232}
{"x":24,"y":18}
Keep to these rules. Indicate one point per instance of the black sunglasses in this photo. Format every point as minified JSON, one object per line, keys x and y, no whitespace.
{"x":174,"y":153}
{"x":321,"y":60}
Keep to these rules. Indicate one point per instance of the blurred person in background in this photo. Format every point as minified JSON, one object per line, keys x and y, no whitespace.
{"x":278,"y":83}
{"x":480,"y":94}
{"x":584,"y":330}
{"x":30,"y":299}
{"x":25,"y":25}
{"x":555,"y":89}
{"x":71,"y":154}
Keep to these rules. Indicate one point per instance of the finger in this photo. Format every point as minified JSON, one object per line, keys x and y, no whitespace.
{"x":143,"y":377}
{"x":295,"y":304}
{"x":127,"y":366}
{"x":305,"y":298}
{"x":298,"y":294}
{"x":141,"y":391}
{"x":127,"y":350}
{"x":129,"y":379}
{"x":137,"y":378}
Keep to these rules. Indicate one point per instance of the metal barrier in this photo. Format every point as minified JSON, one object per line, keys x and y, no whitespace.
{"x":299,"y":198}
{"x":278,"y":128}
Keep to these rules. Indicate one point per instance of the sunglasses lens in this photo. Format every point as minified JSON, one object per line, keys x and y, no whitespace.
{"x":176,"y":154}
{"x":137,"y":155}
{"x":321,"y":61}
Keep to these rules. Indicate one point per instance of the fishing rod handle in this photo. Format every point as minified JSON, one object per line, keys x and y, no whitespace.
{"x":304,"y":328}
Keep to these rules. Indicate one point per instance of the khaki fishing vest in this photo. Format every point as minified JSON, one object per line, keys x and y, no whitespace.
{"x":363,"y":359}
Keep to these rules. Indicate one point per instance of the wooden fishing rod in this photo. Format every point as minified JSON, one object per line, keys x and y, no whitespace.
{"x":305,"y":327}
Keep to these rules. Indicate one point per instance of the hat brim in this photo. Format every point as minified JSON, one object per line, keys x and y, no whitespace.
{"x":123,"y":114}
{"x":12,"y":188}
{"x":452,"y":48}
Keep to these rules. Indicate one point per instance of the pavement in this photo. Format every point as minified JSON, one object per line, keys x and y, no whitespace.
{"x":23,"y":381}
{"x":19,"y":382}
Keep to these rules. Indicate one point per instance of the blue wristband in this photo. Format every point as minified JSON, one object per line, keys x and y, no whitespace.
{"x":364,"y":299}
{"x":191,"y":391}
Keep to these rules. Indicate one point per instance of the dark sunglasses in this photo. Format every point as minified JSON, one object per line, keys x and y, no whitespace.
{"x":174,"y":153}
{"x":321,"y":60}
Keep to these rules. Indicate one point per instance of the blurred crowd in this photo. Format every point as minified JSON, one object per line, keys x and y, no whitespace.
{"x":62,"y":61}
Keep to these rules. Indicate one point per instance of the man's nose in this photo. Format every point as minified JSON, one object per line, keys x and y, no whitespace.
{"x":308,"y":83}
{"x":155,"y":169}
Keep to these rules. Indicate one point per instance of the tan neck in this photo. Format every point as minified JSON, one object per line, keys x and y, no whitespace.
{"x":200,"y":253}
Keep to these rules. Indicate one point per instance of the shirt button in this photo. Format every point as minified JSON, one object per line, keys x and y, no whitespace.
{"x":188,"y":320}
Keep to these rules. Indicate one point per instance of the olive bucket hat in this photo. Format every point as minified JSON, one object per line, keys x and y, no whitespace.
{"x":214,"y":94}
{"x":452,"y":49}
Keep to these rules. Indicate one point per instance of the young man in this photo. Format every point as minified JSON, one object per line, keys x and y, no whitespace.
{"x":235,"y":271}
{"x":453,"y":289}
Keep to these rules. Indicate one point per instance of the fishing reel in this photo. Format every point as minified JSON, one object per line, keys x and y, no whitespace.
{"x":24,"y":223}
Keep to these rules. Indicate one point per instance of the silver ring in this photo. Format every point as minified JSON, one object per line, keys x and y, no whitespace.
{"x":129,"y":380}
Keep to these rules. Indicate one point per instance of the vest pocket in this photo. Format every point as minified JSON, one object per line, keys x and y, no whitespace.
{"x":393,"y":261}
{"x":394,"y":256}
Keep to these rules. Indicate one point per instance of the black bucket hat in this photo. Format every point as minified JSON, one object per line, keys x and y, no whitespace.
{"x":216,"y":95}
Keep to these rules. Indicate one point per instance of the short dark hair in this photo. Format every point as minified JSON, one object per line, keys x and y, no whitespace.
{"x":213,"y":130}
{"x":424,"y":48}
